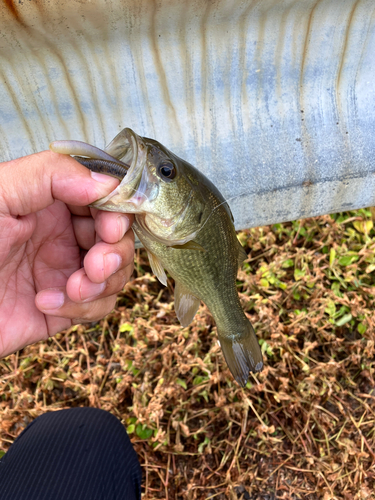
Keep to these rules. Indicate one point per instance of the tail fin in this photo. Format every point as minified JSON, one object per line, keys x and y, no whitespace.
{"x":242,"y":353}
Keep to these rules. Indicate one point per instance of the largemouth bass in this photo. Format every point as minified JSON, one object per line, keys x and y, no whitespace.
{"x":186,"y":227}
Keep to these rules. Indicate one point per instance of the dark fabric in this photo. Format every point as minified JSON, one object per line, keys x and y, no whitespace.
{"x":76,"y":454}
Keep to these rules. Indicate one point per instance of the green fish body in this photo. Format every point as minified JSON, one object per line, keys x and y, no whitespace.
{"x":187,"y":228}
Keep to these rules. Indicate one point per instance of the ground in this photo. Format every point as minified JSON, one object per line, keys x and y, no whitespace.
{"x":303,"y":428}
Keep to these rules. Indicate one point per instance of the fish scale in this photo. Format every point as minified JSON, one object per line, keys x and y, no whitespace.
{"x":187,"y":229}
{"x":211,"y":277}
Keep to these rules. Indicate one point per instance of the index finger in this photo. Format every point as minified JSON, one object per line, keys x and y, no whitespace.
{"x":112,"y":226}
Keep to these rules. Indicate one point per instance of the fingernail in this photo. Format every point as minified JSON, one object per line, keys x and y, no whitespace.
{"x":112,"y":261}
{"x":102,"y":178}
{"x":123,"y":225}
{"x":50,"y":299}
{"x":89,"y":290}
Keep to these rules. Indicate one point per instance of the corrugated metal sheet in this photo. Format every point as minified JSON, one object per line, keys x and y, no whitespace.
{"x":273,"y":99}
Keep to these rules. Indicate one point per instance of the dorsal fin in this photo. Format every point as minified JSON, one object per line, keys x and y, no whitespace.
{"x":242,"y":255}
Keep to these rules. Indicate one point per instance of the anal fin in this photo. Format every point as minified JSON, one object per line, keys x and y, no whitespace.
{"x":242,"y":353}
{"x":185,"y":304}
{"x":157,"y":268}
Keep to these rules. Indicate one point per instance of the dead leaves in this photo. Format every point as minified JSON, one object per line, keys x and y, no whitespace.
{"x":302,"y":428}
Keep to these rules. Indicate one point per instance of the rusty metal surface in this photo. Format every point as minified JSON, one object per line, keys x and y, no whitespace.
{"x":273,"y":99}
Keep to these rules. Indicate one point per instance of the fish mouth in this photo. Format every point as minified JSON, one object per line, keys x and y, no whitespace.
{"x":139,"y":184}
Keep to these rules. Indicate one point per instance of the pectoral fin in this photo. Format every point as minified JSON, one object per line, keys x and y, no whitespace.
{"x":190,"y":245}
{"x":157,"y":268}
{"x":185,"y":304}
{"x":242,"y":353}
{"x":141,"y":226}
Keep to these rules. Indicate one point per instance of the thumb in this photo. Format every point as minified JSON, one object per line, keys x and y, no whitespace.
{"x":34,"y":182}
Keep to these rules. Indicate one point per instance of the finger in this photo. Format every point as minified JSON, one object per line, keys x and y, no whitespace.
{"x":103,"y":259}
{"x":81,"y":211}
{"x":84,"y":230}
{"x":49,"y":176}
{"x":47,"y":300}
{"x":80,"y":288}
{"x":112,"y":226}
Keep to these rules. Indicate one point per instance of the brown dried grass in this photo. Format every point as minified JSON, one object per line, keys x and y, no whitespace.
{"x":303,"y":428}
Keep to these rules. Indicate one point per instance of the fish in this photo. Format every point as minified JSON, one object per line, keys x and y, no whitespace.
{"x":187,"y":229}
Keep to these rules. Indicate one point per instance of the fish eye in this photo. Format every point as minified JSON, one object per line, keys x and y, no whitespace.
{"x":166,"y":171}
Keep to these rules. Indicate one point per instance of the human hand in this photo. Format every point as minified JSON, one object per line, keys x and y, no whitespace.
{"x":60,"y":262}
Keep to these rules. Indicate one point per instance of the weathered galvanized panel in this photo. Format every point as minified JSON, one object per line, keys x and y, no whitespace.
{"x":273,"y":99}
